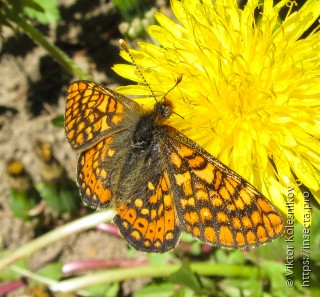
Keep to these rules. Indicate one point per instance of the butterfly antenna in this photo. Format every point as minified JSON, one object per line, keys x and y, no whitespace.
{"x":179,"y":79}
{"x":126,"y":49}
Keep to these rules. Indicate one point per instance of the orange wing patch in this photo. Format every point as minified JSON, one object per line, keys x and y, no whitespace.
{"x":149,"y":223}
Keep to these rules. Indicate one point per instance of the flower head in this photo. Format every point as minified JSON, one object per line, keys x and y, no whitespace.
{"x":249,"y":92}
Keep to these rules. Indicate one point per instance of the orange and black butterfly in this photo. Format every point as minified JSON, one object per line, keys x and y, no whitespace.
{"x":159,"y":181}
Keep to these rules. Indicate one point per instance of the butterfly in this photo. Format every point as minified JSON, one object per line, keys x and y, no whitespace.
{"x":159,"y":181}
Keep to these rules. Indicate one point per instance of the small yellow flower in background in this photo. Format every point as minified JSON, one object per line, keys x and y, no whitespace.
{"x":250,"y":89}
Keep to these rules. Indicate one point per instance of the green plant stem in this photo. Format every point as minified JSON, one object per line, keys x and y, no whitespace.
{"x":53,"y":51}
{"x":34,"y":276}
{"x":116,"y":275}
{"x":76,"y":226}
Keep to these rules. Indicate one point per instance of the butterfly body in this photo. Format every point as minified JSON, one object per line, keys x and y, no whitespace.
{"x":159,"y":181}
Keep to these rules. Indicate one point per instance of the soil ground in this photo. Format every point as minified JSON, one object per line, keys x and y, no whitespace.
{"x":32,"y":93}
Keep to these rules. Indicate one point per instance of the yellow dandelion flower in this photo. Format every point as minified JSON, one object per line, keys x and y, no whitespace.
{"x":249,"y":92}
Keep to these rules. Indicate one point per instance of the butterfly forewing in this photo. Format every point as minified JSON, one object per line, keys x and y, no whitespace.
{"x":94,"y":112}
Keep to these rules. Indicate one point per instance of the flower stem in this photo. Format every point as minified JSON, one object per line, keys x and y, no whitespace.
{"x":76,"y":226}
{"x":53,"y":51}
{"x":123,"y":274}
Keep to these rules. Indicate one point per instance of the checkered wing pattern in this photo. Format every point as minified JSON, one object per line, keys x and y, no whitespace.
{"x":213,"y":203}
{"x":94,"y":112}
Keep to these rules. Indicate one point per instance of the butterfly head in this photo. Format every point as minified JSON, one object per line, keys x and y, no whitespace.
{"x":163,"y":109}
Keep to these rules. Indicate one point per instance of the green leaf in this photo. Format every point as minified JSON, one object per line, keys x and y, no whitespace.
{"x":184,"y":276}
{"x":271,"y":251}
{"x":33,"y":5}
{"x":22,"y":201}
{"x":238,"y":287}
{"x":221,"y":256}
{"x":58,"y":121}
{"x":46,"y":12}
{"x":52,"y":271}
{"x":275,"y":272}
{"x":130,"y":9}
{"x":60,"y":197}
{"x":186,"y":237}
{"x":155,"y":290}
{"x":248,"y":287}
{"x":104,"y":290}
{"x":159,"y":259}
{"x":185,"y":292}
{"x":236,"y":257}
{"x":8,"y":274}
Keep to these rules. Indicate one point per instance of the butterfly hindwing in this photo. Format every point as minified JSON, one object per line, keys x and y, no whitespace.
{"x":149,"y":221}
{"x":213,"y":203}
{"x":104,"y":173}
